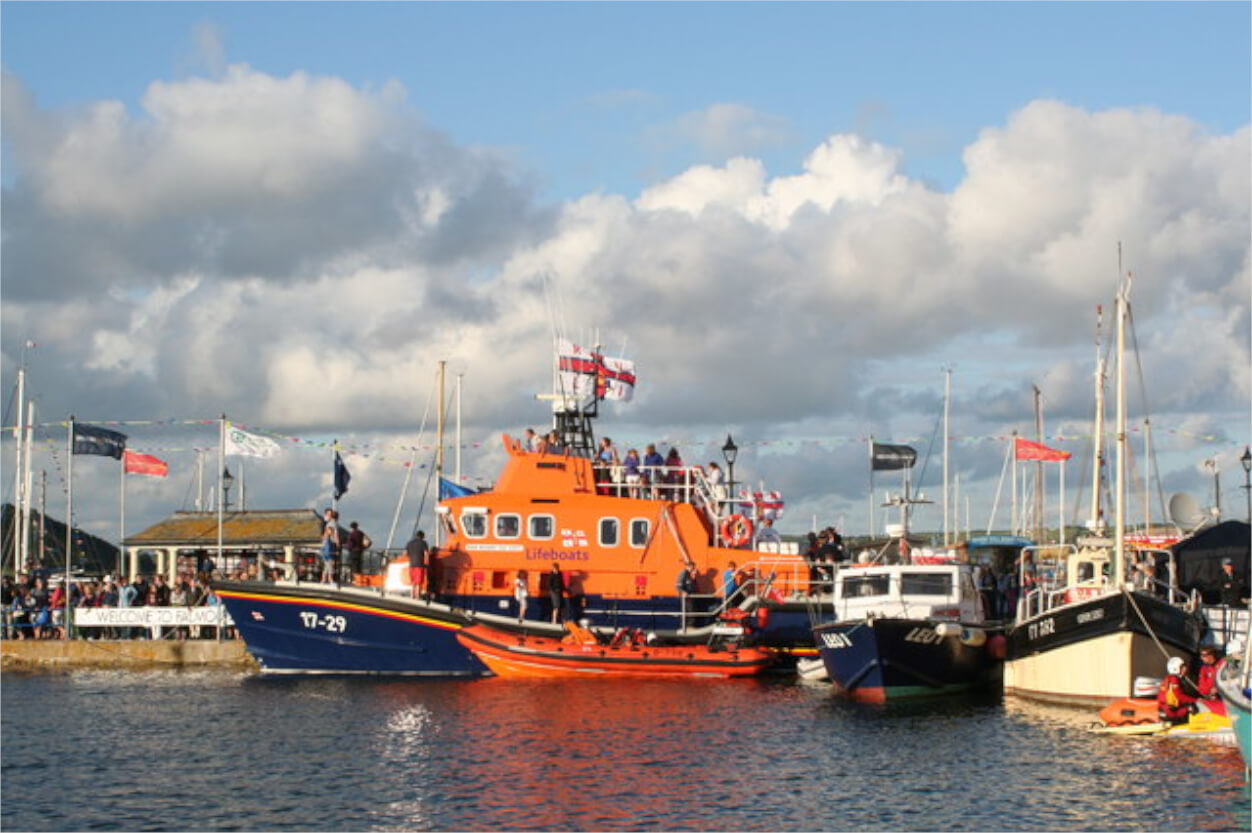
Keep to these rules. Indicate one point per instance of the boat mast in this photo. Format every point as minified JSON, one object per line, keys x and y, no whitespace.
{"x":1119,"y":517}
{"x":1096,"y":523}
{"x":1038,"y":465}
{"x":947,"y":399}
{"x":439,"y":447}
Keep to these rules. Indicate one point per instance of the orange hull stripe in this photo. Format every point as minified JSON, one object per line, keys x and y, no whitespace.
{"x":389,"y":614}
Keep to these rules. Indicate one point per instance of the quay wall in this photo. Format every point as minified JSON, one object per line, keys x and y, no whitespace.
{"x":63,"y":655}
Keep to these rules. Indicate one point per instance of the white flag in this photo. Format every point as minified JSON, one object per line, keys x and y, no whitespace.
{"x":249,"y":445}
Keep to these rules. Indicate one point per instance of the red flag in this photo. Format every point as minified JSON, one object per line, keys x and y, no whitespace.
{"x":136,"y":463}
{"x":1026,"y":450}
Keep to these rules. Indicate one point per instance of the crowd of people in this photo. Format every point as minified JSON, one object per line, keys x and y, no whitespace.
{"x":34,"y":607}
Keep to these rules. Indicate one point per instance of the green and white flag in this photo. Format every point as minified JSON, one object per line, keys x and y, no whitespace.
{"x":249,"y":445}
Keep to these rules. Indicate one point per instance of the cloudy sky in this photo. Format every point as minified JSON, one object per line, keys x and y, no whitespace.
{"x":793,"y":217}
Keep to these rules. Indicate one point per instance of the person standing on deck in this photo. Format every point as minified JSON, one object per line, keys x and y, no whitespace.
{"x":520,"y":594}
{"x":556,"y":592}
{"x":729,"y":583}
{"x":419,"y":555}
{"x":330,"y":544}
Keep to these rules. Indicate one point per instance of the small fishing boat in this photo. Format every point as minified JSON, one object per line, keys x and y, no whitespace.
{"x":909,"y":630}
{"x":580,"y":652}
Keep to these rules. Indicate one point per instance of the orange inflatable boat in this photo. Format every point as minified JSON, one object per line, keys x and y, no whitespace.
{"x":582,"y":653}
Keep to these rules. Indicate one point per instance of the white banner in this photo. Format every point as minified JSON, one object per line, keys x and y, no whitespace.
{"x":105,"y":617}
{"x":249,"y":445}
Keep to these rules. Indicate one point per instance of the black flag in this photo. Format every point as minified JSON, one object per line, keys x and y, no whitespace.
{"x":90,"y":439}
{"x":885,"y":457}
{"x":341,"y":477}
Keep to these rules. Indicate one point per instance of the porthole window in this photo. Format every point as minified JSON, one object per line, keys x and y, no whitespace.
{"x":609,"y":532}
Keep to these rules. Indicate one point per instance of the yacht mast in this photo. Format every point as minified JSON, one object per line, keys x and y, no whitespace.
{"x":947,"y":399}
{"x":1119,"y":517}
{"x":1096,"y":523}
{"x":439,"y":447}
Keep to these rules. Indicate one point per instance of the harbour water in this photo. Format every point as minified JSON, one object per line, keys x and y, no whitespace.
{"x":215,"y":750}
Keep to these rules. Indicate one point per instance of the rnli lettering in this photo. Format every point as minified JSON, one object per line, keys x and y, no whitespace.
{"x":836,"y":640}
{"x":1037,"y":630}
{"x":923,"y":636}
{"x":545,"y":554}
{"x":328,"y":623}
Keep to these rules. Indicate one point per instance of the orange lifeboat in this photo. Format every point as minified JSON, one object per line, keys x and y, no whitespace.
{"x":581,"y":653}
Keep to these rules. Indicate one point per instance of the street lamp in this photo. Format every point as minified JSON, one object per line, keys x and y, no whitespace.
{"x":1246,"y":460}
{"x":730,"y":451}
{"x":228,"y":480}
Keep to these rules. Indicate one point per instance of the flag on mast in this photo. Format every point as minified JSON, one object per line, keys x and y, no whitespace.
{"x":1027,"y":450}
{"x":92,"y":439}
{"x":135,"y":463}
{"x":585,"y":372}
{"x":342,"y":476}
{"x":249,"y":445}
{"x":884,"y":457}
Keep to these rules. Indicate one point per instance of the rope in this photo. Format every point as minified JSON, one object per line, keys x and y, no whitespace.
{"x":1144,"y":620}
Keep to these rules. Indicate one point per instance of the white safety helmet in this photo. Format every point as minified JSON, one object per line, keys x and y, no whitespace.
{"x":1174,"y":666}
{"x":1234,"y":646}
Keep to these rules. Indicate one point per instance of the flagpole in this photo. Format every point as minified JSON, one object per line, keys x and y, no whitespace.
{"x":69,"y":524}
{"x":121,"y":527}
{"x":221,"y":466}
{"x":458,"y":428}
{"x":334,"y":452}
{"x":1061,"y":508}
{"x":18,"y":446}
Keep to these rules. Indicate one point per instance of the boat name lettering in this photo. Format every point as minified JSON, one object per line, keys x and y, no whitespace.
{"x":1037,"y":629}
{"x":836,"y":640}
{"x":923,"y":636}
{"x":543,"y":554}
{"x":1091,"y":615}
{"x":328,"y":623}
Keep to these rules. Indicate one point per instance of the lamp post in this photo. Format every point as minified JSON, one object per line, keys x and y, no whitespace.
{"x":228,"y":480}
{"x":730,"y":451}
{"x":1246,"y":460}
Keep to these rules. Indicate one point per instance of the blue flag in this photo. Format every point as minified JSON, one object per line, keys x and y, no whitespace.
{"x":449,"y":489}
{"x":90,"y":439}
{"x":342,"y":476}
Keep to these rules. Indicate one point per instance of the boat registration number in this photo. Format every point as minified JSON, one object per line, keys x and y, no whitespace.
{"x":328,"y":623}
{"x":1035,"y":630}
{"x":923,"y":636}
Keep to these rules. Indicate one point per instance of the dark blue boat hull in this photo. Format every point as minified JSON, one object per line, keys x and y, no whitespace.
{"x":319,"y":629}
{"x":890,"y":659}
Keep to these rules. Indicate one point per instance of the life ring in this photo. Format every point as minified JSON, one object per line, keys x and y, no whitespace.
{"x":736,"y":530}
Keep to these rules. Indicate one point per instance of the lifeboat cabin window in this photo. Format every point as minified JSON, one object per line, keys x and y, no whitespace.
{"x":541,"y":527}
{"x":474,"y":523}
{"x":639,"y":528}
{"x":926,"y":584}
{"x":508,"y":526}
{"x":855,"y":586}
{"x":608,"y":532}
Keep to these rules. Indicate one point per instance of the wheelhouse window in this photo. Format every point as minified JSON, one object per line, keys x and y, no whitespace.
{"x":926,"y":584}
{"x":639,"y":529}
{"x":609,"y":531}
{"x":474,"y":523}
{"x":508,"y":526}
{"x":861,"y":586}
{"x":541,"y":527}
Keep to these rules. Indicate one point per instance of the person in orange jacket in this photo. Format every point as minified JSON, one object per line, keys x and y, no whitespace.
{"x":1175,"y":700}
{"x":1206,"y":680}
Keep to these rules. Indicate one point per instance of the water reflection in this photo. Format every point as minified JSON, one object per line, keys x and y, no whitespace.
{"x":332,"y":754}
